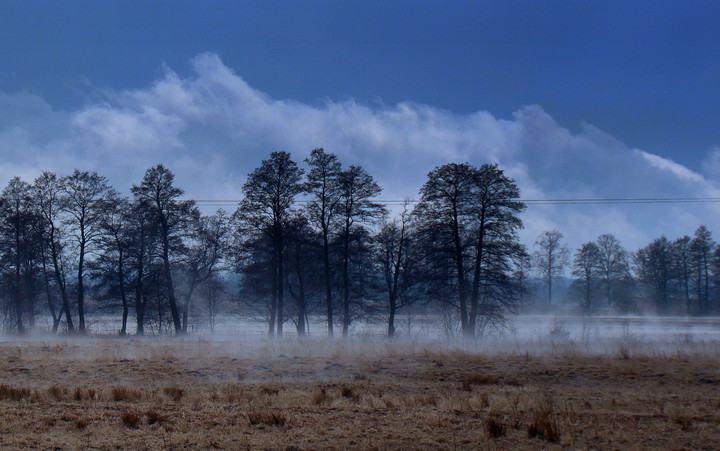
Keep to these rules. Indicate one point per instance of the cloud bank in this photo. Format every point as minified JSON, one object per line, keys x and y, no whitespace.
{"x":211,"y":128}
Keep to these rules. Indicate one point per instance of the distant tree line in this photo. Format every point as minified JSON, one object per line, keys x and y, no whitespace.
{"x":309,"y":241}
{"x":678,"y":277}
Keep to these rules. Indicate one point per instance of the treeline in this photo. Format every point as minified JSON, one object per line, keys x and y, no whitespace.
{"x":678,"y":277}
{"x":303,"y":242}
{"x":310,"y":241}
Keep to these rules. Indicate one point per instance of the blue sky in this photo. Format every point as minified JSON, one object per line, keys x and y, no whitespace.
{"x":601,"y":85}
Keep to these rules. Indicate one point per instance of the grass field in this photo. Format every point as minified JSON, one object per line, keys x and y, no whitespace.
{"x":315,"y":394}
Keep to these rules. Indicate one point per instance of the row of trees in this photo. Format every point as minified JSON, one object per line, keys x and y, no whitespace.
{"x":312,"y":241}
{"x":681,"y":276}
{"x":301,"y":242}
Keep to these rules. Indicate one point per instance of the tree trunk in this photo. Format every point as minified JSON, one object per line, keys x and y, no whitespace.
{"x":281,"y":282}
{"x":391,"y":319}
{"x":169,"y":282}
{"x":61,"y":285}
{"x":346,"y":281}
{"x":81,"y":286}
{"x":460,"y":267}
{"x":328,"y":282}
{"x":123,"y":296}
{"x":474,"y":299}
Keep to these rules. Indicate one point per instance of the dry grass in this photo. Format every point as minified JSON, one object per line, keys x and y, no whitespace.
{"x":101,"y":393}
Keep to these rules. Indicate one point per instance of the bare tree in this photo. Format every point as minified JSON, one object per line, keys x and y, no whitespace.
{"x":203,"y":259}
{"x":393,"y":243}
{"x":552,"y":257}
{"x":468,"y":219}
{"x":270,"y":192}
{"x":587,"y":268}
{"x":20,"y":253}
{"x":614,"y":265}
{"x":85,"y":202}
{"x":158,"y":194}
{"x":115,"y":242}
{"x":322,"y":210}
{"x":47,"y":192}
{"x":357,"y":188}
{"x":681,"y":260}
{"x":701,"y":248}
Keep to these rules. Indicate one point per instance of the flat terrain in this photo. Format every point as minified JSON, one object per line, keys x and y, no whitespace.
{"x":314,"y":394}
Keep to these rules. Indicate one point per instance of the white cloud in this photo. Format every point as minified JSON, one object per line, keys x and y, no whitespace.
{"x":212,"y":128}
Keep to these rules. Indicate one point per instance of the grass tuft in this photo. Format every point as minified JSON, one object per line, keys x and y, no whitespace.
{"x":175,"y":393}
{"x":130,"y":419}
{"x":478,"y":379}
{"x":495,"y":427}
{"x":125,"y":394}
{"x":154,"y":417}
{"x":12,"y":393}
{"x":267,"y":418}
{"x":545,"y":425}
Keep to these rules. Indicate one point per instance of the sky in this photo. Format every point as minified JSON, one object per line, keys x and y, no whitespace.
{"x":572,"y":99}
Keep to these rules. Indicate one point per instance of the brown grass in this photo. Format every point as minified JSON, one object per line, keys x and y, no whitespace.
{"x":12,"y":393}
{"x":125,"y":394}
{"x":266,"y":418}
{"x":545,"y":424}
{"x":175,"y":393}
{"x":166,"y":394}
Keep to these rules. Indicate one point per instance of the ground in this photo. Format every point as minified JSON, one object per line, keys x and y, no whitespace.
{"x":105,"y":393}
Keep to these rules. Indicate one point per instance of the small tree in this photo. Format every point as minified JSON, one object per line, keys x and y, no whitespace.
{"x":587,"y":268}
{"x":357,"y":188}
{"x":552,"y":257}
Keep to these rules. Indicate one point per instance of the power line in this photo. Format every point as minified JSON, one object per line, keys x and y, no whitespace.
{"x":560,"y":201}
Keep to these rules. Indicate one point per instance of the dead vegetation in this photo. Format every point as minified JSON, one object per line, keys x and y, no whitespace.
{"x":187,"y":394}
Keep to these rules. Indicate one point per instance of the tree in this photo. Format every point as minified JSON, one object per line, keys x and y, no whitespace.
{"x":357,"y":188}
{"x":157,"y":193}
{"x":203,"y":259}
{"x":614,"y":265}
{"x":652,"y":265}
{"x":680,"y":259}
{"x":85,"y":202}
{"x":304,"y":268}
{"x":551,"y":258}
{"x":393,"y":247}
{"x":468,"y":222}
{"x":701,"y":248}
{"x":47,"y":191}
{"x":115,"y":242}
{"x":270,"y":192}
{"x":587,"y":268}
{"x":495,"y":207}
{"x":20,"y":252}
{"x":323,"y":187}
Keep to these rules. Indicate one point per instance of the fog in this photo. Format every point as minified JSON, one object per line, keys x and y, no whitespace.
{"x":520,"y":334}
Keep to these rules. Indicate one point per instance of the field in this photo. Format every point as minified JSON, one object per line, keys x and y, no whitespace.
{"x":104,"y":393}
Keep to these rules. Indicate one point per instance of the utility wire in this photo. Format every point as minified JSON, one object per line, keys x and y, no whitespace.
{"x":566,"y":201}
